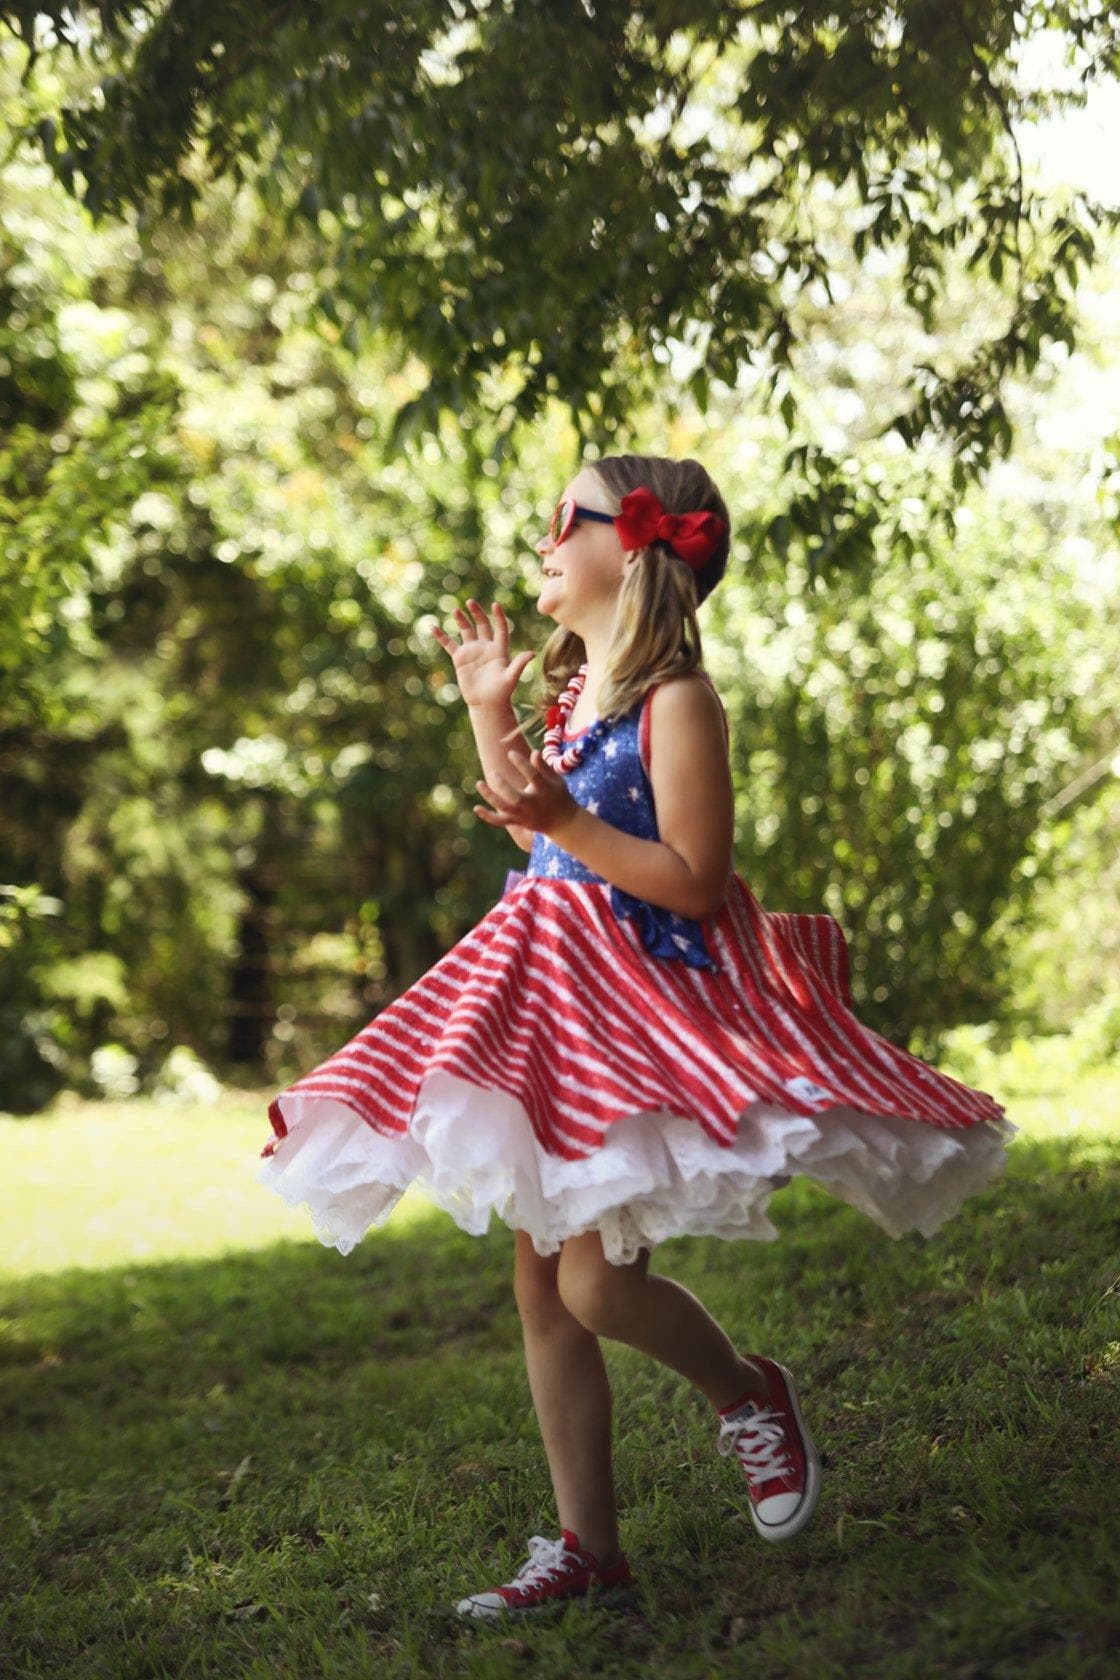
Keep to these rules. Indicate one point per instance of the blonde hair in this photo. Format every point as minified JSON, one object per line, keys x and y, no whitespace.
{"x":656,"y":633}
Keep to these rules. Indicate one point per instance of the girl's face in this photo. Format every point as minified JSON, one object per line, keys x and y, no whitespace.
{"x":589,"y":562}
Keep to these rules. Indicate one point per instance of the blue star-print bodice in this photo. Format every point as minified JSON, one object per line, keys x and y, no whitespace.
{"x":611,"y":782}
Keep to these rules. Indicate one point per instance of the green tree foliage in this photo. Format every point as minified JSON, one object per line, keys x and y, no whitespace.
{"x":540,"y":198}
{"x":894,"y":749}
{"x":69,"y":468}
{"x":244,"y":793}
{"x":920,"y":734}
{"x":238,"y":781}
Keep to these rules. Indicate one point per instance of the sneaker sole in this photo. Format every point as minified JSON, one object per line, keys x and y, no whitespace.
{"x":804,"y":1512}
{"x":605,"y":1598}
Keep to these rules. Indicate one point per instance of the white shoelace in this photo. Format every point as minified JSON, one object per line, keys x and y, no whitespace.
{"x":760,"y":1442}
{"x":545,"y":1558}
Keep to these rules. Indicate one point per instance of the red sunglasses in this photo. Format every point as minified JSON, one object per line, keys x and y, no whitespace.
{"x":565,"y":515}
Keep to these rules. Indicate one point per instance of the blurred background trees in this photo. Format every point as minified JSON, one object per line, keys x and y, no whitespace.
{"x":239,"y":487}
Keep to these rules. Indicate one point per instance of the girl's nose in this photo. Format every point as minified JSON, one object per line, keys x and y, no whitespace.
{"x":545,"y":546}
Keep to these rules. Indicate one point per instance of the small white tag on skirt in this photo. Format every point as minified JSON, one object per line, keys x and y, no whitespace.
{"x":805,"y":1089}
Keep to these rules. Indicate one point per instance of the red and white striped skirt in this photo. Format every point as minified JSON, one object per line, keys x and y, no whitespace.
{"x":551,"y":1071}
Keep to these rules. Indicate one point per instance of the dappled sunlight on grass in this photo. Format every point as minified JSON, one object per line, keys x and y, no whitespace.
{"x":1051,"y":1095}
{"x":1088,"y":1110}
{"x":305,"y":1460}
{"x":98,"y":1184}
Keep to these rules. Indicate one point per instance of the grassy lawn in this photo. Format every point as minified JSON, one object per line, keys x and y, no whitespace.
{"x":227,"y":1451}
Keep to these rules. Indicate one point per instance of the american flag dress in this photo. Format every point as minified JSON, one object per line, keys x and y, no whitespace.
{"x":583,"y":1059}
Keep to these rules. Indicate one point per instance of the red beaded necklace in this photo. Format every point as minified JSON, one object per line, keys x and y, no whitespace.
{"x":555,"y":754}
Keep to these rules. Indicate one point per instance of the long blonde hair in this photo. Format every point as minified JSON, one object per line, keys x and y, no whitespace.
{"x":656,"y":634}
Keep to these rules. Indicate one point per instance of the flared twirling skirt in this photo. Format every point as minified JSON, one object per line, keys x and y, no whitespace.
{"x":553,"y":1072}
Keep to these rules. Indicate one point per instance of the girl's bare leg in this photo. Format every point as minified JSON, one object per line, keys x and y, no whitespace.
{"x":572,"y":1398}
{"x":655,"y":1315}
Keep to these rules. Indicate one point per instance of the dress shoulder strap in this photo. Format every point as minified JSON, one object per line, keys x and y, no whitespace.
{"x":644,"y":722}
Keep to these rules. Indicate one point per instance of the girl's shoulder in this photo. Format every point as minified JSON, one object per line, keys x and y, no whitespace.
{"x":699,"y":676}
{"x":662,"y":700}
{"x":688,"y":682}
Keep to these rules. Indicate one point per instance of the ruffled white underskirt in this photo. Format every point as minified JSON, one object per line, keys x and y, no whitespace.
{"x":472,"y":1152}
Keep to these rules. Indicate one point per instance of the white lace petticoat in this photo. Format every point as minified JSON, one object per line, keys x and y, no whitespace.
{"x":473,"y":1153}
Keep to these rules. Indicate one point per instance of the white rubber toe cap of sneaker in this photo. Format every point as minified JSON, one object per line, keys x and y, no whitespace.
{"x":778,"y":1508}
{"x":482,"y":1604}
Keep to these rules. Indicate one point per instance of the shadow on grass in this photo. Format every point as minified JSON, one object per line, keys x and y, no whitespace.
{"x":191,"y":1449}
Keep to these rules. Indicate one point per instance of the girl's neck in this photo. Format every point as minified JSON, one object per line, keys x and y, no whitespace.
{"x":596,"y":649}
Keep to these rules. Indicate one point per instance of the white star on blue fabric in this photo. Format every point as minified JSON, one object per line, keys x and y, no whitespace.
{"x":613,"y":787}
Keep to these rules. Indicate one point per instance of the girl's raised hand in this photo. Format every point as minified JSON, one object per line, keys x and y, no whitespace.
{"x":535,"y":796}
{"x":486,"y":674}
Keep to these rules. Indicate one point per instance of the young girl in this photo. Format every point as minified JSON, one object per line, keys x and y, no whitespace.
{"x":627,"y":1047}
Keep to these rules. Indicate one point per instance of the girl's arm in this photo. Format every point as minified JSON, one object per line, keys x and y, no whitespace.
{"x":490,"y":724}
{"x":687,"y":870}
{"x":487,"y":677}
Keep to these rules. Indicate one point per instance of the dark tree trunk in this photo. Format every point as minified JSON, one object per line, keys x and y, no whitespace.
{"x":251,"y":1005}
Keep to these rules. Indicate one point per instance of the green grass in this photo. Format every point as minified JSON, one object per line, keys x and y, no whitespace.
{"x":227,"y":1451}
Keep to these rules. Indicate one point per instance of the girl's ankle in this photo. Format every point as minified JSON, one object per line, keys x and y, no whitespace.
{"x":751,"y":1386}
{"x":606,"y":1557}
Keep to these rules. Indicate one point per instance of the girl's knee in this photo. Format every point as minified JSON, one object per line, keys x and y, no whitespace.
{"x":595,"y":1292}
{"x":534,"y":1277}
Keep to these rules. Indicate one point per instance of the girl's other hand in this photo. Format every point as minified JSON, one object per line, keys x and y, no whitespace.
{"x":486,"y":674}
{"x":535,"y":796}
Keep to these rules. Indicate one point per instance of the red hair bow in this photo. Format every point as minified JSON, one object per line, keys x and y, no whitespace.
{"x":643,"y":520}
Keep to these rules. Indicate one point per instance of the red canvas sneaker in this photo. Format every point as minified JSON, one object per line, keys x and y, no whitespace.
{"x":769,"y":1437}
{"x":555,"y":1570}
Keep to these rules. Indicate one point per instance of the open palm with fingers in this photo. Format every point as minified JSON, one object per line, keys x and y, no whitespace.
{"x":486,"y":674}
{"x":534,"y":796}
